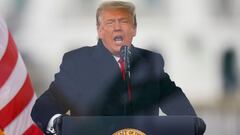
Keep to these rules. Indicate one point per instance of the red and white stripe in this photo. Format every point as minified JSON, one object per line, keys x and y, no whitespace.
{"x":16,"y":92}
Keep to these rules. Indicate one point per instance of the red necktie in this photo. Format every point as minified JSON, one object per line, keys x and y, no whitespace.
{"x":122,"y":67}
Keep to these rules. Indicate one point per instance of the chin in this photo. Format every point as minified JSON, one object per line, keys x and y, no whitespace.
{"x":116,"y":51}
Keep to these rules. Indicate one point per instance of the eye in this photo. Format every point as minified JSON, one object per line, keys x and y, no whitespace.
{"x":124,"y":21}
{"x":110,"y":22}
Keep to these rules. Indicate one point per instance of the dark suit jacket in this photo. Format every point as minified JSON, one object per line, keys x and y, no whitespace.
{"x":90,"y":83}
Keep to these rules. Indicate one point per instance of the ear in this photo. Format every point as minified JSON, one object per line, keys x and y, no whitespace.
{"x":99,"y":31}
{"x":134,"y":31}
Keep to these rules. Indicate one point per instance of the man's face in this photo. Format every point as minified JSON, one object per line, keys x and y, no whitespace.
{"x":116,"y":28}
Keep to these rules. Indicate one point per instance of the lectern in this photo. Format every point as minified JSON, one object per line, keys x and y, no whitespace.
{"x":132,"y":125}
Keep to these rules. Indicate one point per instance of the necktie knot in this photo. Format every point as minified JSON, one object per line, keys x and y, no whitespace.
{"x":121,"y":61}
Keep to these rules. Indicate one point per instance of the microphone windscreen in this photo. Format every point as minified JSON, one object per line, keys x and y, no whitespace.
{"x":124,"y":52}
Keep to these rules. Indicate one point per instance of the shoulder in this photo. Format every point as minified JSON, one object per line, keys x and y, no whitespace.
{"x":147,"y":52}
{"x":76,"y":56}
{"x":149,"y":55}
{"x":86,"y":50}
{"x":79,"y":53}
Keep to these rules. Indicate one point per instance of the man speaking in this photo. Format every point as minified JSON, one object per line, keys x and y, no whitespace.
{"x":105,"y":80}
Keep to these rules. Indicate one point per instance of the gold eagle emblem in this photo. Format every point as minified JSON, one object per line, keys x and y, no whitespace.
{"x":129,"y":131}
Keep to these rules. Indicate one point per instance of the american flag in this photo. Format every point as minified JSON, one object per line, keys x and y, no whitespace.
{"x":16,"y":92}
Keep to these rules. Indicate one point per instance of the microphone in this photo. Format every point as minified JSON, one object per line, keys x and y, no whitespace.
{"x":125,"y":54}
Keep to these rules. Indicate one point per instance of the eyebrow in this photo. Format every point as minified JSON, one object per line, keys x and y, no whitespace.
{"x":123,"y":19}
{"x":110,"y":20}
{"x":119,"y":19}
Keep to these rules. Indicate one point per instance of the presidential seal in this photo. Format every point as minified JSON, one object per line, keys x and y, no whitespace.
{"x":129,"y":131}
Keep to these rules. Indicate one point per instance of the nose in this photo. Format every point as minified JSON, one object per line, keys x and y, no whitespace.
{"x":117,"y":26}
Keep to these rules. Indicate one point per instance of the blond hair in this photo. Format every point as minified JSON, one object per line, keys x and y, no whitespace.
{"x":122,"y":5}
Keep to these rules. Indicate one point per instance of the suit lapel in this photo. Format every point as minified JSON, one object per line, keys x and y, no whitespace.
{"x":105,"y":62}
{"x":138,"y":66}
{"x":114,"y":91}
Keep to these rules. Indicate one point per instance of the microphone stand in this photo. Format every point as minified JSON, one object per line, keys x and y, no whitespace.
{"x":126,"y":55}
{"x":129,"y":88}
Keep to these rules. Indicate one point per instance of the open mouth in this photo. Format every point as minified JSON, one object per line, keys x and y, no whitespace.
{"x":118,"y":39}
